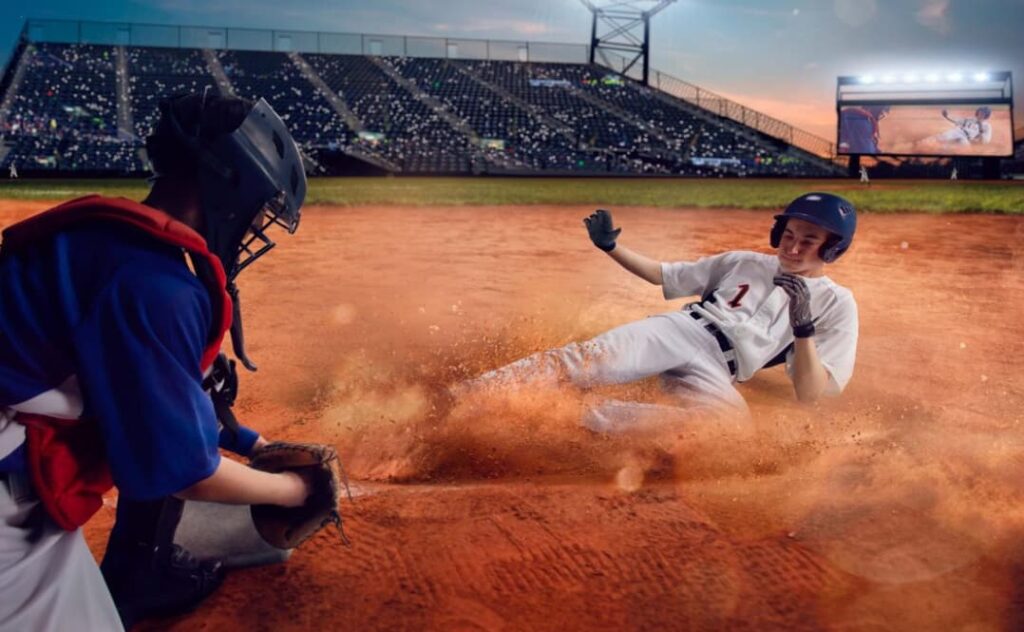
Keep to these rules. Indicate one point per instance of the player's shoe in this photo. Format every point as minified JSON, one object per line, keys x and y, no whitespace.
{"x":147,"y":574}
{"x":164,"y":585}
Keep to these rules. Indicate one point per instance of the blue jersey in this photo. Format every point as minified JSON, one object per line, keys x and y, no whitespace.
{"x":858,"y":131}
{"x":121,"y":311}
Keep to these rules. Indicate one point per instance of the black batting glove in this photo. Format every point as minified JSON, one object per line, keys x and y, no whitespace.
{"x":602,"y":233}
{"x":799,"y":303}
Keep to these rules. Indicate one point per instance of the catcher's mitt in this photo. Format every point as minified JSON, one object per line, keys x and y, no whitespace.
{"x":288,"y":527}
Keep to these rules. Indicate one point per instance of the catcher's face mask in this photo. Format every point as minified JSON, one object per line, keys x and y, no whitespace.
{"x":249,"y":180}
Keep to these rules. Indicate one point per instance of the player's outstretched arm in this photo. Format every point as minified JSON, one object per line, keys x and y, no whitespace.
{"x":644,"y":267}
{"x":604,"y":235}
{"x":237,"y":484}
{"x":809,"y":375}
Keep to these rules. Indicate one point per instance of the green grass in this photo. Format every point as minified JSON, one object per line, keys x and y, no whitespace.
{"x":881,"y":196}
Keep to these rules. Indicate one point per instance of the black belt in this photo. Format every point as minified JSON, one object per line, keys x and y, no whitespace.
{"x":723,"y":341}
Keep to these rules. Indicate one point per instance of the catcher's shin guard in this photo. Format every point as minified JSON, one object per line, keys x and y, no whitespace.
{"x":147,"y":574}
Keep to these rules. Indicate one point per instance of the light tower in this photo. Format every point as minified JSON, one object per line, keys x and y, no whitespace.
{"x":617,"y":27}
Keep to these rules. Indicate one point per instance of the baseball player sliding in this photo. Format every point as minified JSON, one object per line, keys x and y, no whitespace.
{"x":756,"y":310}
{"x":965,"y":132}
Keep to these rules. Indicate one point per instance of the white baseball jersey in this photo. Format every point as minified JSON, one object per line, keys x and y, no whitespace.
{"x":740,"y":298}
{"x":970,"y":129}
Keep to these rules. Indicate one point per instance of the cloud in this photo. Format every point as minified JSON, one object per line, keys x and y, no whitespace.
{"x":742,"y":8}
{"x":856,"y":12}
{"x":934,"y":14}
{"x":483,"y":25}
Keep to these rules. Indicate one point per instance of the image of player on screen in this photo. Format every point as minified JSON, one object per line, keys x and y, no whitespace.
{"x":974,"y":130}
{"x":858,"y":128}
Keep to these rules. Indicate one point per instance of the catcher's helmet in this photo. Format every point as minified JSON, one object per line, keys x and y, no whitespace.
{"x":247,"y":166}
{"x":831,"y":212}
{"x":983,"y":112}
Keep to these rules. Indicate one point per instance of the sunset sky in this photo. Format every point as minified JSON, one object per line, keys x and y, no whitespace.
{"x":779,"y":57}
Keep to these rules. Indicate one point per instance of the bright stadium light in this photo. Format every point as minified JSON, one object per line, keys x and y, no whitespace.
{"x":888,"y":79}
{"x":932,"y":77}
{"x":981,"y":76}
{"x":955,"y":77}
{"x":910,"y":78}
{"x":867,"y":79}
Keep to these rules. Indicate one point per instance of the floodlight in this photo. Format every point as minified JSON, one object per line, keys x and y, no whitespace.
{"x":888,"y":79}
{"x":981,"y":76}
{"x":932,"y":77}
{"x":955,"y":77}
{"x":910,"y":78}
{"x":867,"y":79}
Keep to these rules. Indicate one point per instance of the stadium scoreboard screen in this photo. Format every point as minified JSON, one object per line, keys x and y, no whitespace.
{"x":952,"y":115}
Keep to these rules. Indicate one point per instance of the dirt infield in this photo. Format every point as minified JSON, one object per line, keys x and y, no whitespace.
{"x":898,"y":506}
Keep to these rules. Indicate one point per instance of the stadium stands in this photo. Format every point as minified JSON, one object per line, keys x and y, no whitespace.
{"x":274,"y":77}
{"x":156,"y":73}
{"x":63,"y":116}
{"x":609,"y":143}
{"x":395,"y":124}
{"x":504,"y":127}
{"x":404,"y":114}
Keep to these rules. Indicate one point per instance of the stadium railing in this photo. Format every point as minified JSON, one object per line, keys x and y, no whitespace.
{"x":222,"y":38}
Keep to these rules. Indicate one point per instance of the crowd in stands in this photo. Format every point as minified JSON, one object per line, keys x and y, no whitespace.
{"x":276,"y":78}
{"x":708,"y":144}
{"x":64,"y":113}
{"x":440,"y":116}
{"x":156,"y":73}
{"x":594,"y":137}
{"x":410,"y":134}
{"x":510,"y":134}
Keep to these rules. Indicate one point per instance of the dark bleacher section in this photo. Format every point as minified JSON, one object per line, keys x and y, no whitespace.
{"x":600,"y":141}
{"x":156,"y":73}
{"x":415,"y":137}
{"x":687,"y":142}
{"x":438,"y":116}
{"x":64,"y":116}
{"x":526,"y":138}
{"x":274,"y":77}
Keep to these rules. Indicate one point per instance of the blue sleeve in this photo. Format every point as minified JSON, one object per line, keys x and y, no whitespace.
{"x":139,"y":346}
{"x":240,"y":443}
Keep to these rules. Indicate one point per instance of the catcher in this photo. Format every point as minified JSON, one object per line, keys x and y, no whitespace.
{"x":106,"y":332}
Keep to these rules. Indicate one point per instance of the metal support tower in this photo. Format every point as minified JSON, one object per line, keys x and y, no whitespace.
{"x":616,"y":27}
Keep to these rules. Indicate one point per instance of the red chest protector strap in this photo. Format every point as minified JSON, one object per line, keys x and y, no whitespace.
{"x":67,"y":460}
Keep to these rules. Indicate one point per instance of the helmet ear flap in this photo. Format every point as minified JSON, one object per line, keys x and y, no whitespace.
{"x":831,"y":249}
{"x":777,"y":230}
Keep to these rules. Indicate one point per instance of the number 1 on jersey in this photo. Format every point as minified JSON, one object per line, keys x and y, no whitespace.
{"x":735,"y":302}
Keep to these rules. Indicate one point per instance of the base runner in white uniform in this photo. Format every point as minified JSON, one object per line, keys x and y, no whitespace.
{"x":965,"y":132}
{"x":756,"y":310}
